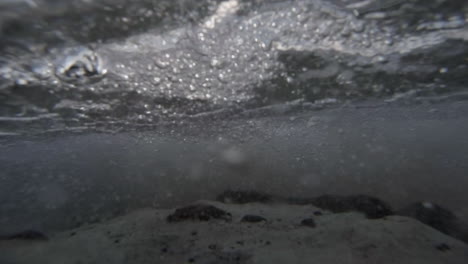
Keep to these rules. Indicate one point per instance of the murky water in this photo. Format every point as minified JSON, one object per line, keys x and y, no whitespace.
{"x":140,"y":103}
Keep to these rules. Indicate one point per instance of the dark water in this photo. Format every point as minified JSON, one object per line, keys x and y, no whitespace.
{"x":108,"y":106}
{"x":401,"y":154}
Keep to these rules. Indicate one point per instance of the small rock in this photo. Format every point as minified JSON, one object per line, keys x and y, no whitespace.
{"x":27,"y":235}
{"x":318,"y":213}
{"x":253,"y":219}
{"x":198,"y":212}
{"x":308,"y":222}
{"x":299,"y":201}
{"x":242,"y":197}
{"x":212,"y":246}
{"x":443,"y":247}
{"x":372,"y":207}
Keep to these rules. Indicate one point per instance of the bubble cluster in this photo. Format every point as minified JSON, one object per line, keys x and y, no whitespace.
{"x":128,"y":64}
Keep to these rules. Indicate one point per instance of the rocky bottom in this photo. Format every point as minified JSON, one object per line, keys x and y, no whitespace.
{"x":251,"y":227}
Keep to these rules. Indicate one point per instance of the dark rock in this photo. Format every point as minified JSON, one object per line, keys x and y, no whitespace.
{"x":443,"y":247}
{"x":212,"y":246}
{"x":26,"y":235}
{"x":318,"y":213}
{"x":372,"y":207}
{"x":242,"y":197}
{"x":253,"y":219}
{"x":299,"y":201}
{"x":198,"y":212}
{"x":308,"y":222}
{"x":437,"y":217}
{"x":232,"y":256}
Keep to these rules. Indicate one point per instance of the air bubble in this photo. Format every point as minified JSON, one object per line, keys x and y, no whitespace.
{"x":81,"y":66}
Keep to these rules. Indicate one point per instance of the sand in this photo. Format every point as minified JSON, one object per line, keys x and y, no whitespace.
{"x":146,"y":236}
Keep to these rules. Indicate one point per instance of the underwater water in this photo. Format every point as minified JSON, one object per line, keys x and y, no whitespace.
{"x":111,"y":106}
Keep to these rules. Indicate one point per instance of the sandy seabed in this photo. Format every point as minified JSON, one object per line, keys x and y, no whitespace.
{"x":217,"y":232}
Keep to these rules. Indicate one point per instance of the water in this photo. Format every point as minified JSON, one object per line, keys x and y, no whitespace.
{"x":145,"y":103}
{"x":125,"y":64}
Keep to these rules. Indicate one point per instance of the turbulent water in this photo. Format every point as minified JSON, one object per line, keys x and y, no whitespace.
{"x":144,"y":102}
{"x":110,"y":65}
